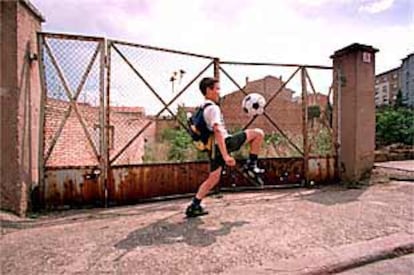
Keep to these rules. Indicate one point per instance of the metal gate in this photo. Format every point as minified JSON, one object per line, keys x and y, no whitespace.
{"x":113,"y":121}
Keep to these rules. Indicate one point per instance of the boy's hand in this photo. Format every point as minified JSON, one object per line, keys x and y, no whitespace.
{"x":229,"y":160}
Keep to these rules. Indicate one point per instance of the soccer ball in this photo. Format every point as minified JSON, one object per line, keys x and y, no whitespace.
{"x":253,"y":104}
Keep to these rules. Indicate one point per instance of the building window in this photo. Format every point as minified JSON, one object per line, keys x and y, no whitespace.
{"x":394,"y":76}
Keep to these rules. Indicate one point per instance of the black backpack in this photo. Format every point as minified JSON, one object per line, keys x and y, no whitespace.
{"x":197,"y":128}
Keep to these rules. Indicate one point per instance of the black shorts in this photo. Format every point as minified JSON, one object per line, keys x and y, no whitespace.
{"x":233,"y":143}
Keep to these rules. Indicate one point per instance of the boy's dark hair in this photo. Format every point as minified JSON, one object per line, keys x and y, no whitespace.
{"x":207,"y":82}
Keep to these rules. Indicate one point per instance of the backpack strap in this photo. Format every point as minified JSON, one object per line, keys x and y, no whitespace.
{"x":206,"y":105}
{"x":210,"y":146}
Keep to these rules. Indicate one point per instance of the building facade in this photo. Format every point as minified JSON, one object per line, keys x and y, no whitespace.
{"x":407,"y":80}
{"x":387,"y":85}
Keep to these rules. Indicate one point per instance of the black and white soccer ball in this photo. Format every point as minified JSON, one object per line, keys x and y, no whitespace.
{"x":253,"y":104}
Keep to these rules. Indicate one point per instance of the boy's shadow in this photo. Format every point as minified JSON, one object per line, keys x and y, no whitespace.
{"x":164,"y":232}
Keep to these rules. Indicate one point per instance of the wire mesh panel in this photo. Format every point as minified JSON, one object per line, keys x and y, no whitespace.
{"x":283,"y":118}
{"x":151,"y":90}
{"x":73,"y":116}
{"x":320,"y":112}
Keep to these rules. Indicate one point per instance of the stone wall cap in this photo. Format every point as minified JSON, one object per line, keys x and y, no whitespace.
{"x":353,"y":48}
{"x":33,"y":9}
{"x":407,"y":57}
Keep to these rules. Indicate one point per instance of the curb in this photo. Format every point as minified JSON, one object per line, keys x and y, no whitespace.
{"x":356,"y":255}
{"x":364,"y":260}
{"x":332,"y":260}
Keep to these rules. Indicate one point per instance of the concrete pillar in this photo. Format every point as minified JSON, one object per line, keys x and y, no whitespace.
{"x":19,"y":102}
{"x":354,"y":72}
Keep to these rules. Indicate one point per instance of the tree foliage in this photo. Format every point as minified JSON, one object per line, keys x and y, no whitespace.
{"x":394,"y":125}
{"x":314,"y":111}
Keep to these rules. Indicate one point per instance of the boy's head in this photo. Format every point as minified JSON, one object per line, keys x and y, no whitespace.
{"x":210,"y":88}
{"x":207,"y":83}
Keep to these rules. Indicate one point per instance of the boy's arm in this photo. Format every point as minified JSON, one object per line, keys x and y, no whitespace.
{"x":218,"y":135}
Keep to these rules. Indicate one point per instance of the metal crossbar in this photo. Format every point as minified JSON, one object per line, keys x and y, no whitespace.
{"x":72,"y":100}
{"x":147,"y":84}
{"x":160,"y":112}
{"x":265,"y":114}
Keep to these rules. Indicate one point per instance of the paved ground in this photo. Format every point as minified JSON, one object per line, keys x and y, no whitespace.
{"x":296,"y":231}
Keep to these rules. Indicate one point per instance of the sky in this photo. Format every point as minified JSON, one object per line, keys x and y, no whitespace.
{"x":278,"y":31}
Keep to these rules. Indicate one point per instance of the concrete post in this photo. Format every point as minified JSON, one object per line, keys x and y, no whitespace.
{"x":354,"y":74}
{"x":19,"y":102}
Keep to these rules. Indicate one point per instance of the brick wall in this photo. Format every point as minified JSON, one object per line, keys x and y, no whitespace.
{"x":9,"y":148}
{"x":284,"y":111}
{"x":20,"y":98}
{"x":72,"y":147}
{"x":126,"y":126}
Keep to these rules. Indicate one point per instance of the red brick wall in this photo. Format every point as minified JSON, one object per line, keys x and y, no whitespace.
{"x":286,"y":113}
{"x":318,"y":99}
{"x":10,"y":193}
{"x":126,"y":126}
{"x":20,"y":99}
{"x":72,"y":147}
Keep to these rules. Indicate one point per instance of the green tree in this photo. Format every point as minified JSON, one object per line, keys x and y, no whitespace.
{"x":394,"y":125}
{"x":314,"y":111}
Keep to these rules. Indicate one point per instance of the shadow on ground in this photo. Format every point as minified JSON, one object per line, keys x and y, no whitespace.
{"x":84,"y":215}
{"x":187,"y":231}
{"x":333,"y":195}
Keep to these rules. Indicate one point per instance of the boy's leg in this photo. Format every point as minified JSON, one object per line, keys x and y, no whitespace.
{"x":255,"y":138}
{"x":209,"y":183}
{"x":195,"y":208}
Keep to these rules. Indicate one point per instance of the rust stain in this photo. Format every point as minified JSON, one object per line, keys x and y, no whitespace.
{"x":131,"y":183}
{"x":70,"y":187}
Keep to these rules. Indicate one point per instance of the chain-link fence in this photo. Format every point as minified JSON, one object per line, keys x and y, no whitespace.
{"x":150,"y":92}
{"x":73,"y":88}
{"x":108,"y":104}
{"x":289,"y":92}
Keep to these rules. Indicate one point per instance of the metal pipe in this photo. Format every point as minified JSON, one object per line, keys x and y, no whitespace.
{"x":103,"y":141}
{"x":41,"y":162}
{"x":305,"y":126}
{"x":160,"y":49}
{"x":276,"y":64}
{"x":70,"y":36}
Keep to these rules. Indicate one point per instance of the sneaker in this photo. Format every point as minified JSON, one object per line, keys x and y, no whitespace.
{"x":252,"y":168}
{"x":194,"y":211}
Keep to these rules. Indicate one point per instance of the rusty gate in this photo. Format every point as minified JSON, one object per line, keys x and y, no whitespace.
{"x":113,"y":120}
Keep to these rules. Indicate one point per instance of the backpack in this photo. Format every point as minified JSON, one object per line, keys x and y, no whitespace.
{"x":197,"y":128}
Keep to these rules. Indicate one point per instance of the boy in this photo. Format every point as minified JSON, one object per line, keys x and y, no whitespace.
{"x":225,"y":144}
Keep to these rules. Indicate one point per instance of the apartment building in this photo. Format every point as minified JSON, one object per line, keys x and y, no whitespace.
{"x":387,"y":85}
{"x":407,"y":80}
